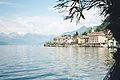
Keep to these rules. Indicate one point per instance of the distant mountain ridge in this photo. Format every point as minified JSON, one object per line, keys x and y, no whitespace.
{"x":14,"y":38}
{"x":80,"y":30}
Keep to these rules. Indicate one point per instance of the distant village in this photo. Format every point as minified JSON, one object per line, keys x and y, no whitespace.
{"x":90,"y":39}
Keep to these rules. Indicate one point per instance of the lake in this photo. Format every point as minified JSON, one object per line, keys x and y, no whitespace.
{"x":34,"y":62}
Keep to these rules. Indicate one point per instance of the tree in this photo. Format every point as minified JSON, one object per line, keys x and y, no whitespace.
{"x":103,"y":26}
{"x":110,"y":9}
{"x":85,"y":33}
{"x":76,"y":7}
{"x":76,"y":34}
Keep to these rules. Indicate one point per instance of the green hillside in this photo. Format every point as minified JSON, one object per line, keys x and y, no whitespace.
{"x":103,"y":26}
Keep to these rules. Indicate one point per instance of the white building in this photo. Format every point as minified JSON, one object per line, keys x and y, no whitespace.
{"x":111,"y":40}
{"x":112,"y":43}
{"x":65,"y":39}
{"x":97,"y":39}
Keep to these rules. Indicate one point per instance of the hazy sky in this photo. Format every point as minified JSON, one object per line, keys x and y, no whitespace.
{"x":38,"y":16}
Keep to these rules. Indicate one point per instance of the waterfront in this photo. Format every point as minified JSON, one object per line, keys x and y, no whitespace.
{"x":34,"y":62}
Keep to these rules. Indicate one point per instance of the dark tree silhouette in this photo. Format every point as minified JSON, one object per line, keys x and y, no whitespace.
{"x":76,"y":33}
{"x":111,"y":11}
{"x":85,"y":33}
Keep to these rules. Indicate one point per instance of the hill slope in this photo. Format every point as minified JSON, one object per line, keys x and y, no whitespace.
{"x":80,"y":31}
{"x":14,"y":38}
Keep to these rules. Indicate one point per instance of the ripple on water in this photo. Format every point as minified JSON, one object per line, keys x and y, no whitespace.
{"x":38,"y":63}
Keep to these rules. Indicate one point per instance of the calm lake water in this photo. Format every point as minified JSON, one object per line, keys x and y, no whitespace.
{"x":58,"y":63}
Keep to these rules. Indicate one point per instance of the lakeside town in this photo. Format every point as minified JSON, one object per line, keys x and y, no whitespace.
{"x":90,"y":39}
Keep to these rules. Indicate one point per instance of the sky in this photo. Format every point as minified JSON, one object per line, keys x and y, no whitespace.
{"x":39,"y":17}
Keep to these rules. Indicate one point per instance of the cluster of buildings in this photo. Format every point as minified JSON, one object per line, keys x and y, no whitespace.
{"x":92,"y":39}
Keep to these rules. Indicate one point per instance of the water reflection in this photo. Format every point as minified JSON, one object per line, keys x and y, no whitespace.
{"x":81,"y":55}
{"x":85,"y":62}
{"x":61,"y":63}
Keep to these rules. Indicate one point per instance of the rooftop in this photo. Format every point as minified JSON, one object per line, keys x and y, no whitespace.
{"x":96,"y":34}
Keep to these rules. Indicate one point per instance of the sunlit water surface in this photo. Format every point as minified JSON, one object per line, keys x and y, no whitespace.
{"x":34,"y":62}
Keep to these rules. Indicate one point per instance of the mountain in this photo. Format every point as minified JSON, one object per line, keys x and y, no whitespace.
{"x":14,"y":38}
{"x":3,"y":43}
{"x":80,"y":30}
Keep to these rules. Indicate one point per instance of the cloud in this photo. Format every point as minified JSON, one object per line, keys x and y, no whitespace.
{"x":5,"y":3}
{"x":8,"y":3}
{"x":35,"y":24}
{"x":92,"y":16}
{"x":46,"y":25}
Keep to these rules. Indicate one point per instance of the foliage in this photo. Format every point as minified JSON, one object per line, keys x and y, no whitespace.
{"x":85,"y":33}
{"x":76,"y":7}
{"x":102,"y":27}
{"x":76,"y":34}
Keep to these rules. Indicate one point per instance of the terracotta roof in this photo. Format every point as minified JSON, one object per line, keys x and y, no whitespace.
{"x":96,"y":33}
{"x":84,"y":37}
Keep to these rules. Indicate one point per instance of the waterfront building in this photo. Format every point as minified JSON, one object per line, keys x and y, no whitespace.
{"x":112,"y":43}
{"x":64,"y":39}
{"x":111,"y":40}
{"x":69,"y":40}
{"x":59,"y":40}
{"x":100,"y":39}
{"x":97,"y":39}
{"x":82,"y":39}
